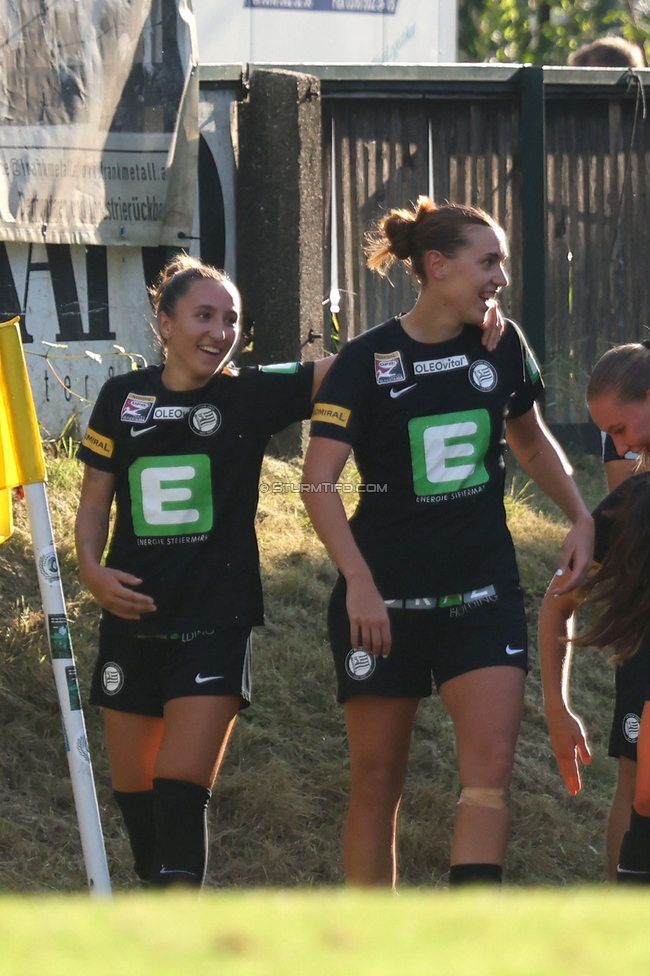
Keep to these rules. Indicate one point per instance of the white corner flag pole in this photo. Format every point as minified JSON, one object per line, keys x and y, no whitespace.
{"x":65,"y":675}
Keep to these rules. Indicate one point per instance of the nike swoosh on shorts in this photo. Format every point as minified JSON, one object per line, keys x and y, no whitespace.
{"x":514,"y":650}
{"x":211,"y":677}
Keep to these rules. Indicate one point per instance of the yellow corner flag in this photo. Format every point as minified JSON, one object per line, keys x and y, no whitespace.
{"x":21,"y":454}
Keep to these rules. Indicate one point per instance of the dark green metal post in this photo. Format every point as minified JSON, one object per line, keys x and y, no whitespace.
{"x":533,"y":207}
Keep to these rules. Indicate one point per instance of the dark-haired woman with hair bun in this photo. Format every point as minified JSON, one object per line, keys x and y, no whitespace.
{"x":428,"y":584}
{"x":179,"y":447}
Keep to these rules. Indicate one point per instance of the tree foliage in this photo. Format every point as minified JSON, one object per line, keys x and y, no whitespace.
{"x":545,"y":31}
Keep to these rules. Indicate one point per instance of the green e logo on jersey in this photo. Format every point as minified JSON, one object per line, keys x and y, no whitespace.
{"x":171,"y":495}
{"x":447,"y":451}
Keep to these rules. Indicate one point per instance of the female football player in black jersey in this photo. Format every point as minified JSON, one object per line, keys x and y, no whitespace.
{"x":618,"y":592}
{"x":428,"y":580}
{"x":179,"y":447}
{"x":618,"y":395}
{"x":568,"y":737}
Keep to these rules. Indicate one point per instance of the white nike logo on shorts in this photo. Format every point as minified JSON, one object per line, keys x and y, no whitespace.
{"x":396,"y":393}
{"x":212,"y":677}
{"x":514,"y":650}
{"x":136,"y":433}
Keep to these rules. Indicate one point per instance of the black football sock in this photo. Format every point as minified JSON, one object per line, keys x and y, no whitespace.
{"x":471,"y":874}
{"x":137,"y":813}
{"x":181,"y":832}
{"x":634,"y":859}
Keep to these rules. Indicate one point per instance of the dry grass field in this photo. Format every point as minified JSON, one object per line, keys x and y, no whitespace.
{"x":279,"y":805}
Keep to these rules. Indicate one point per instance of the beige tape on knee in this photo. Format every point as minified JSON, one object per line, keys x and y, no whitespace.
{"x":484,"y":796}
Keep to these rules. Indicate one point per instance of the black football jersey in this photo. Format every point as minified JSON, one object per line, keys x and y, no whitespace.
{"x":427,"y":424}
{"x":187,"y":468}
{"x":605,"y":513}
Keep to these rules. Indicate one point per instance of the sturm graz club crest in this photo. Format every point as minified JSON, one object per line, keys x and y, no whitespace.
{"x":631,"y":726}
{"x":204,"y":419}
{"x":112,"y":678}
{"x":483,"y":376}
{"x":359,"y":664}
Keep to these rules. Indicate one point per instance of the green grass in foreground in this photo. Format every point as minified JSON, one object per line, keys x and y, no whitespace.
{"x":524,"y":933}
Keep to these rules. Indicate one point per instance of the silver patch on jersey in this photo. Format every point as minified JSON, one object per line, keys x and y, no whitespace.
{"x":483,"y":376}
{"x":204,"y":419}
{"x":359,"y":664}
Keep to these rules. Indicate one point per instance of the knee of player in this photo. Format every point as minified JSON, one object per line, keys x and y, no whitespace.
{"x":377,"y":786}
{"x":492,"y":765}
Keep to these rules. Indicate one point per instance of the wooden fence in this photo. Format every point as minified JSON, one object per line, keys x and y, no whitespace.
{"x":561,"y":158}
{"x":461,"y":135}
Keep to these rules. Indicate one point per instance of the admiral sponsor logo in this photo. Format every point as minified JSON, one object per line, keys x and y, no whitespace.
{"x":359,"y":664}
{"x":112,"y":678}
{"x":98,"y":443}
{"x":136,"y":408}
{"x":389,"y":368}
{"x":440,"y":365}
{"x":329,"y":413}
{"x":631,"y":727}
{"x":483,"y":376}
{"x":170,"y":413}
{"x":204,"y":419}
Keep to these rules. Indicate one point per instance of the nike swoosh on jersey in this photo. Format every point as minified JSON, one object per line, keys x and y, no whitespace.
{"x":396,"y":393}
{"x":514,"y":650}
{"x":143,"y":430}
{"x":211,"y":677}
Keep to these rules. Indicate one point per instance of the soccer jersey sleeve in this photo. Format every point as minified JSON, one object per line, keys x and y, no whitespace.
{"x":98,"y":445}
{"x":530,"y":386}
{"x":605,"y":513}
{"x":343,"y":401}
{"x":284,"y":394}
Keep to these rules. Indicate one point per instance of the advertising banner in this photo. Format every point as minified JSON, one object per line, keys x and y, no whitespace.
{"x":98,"y":121}
{"x":331,"y":31}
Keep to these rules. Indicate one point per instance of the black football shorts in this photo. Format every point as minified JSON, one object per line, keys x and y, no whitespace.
{"x":483,"y":628}
{"x":141,"y":674}
{"x":632,"y":687}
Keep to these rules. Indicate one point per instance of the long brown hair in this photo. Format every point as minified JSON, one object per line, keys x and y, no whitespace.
{"x":407,"y":235}
{"x":620,"y":589}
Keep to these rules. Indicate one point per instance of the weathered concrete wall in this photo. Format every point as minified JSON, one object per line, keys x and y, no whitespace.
{"x":280,"y":221}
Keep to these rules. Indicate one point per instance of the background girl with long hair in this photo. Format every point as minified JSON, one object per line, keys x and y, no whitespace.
{"x":618,"y":395}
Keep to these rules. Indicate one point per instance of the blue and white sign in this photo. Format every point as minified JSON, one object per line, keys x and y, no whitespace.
{"x":307,"y":31}
{"x":333,"y":6}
